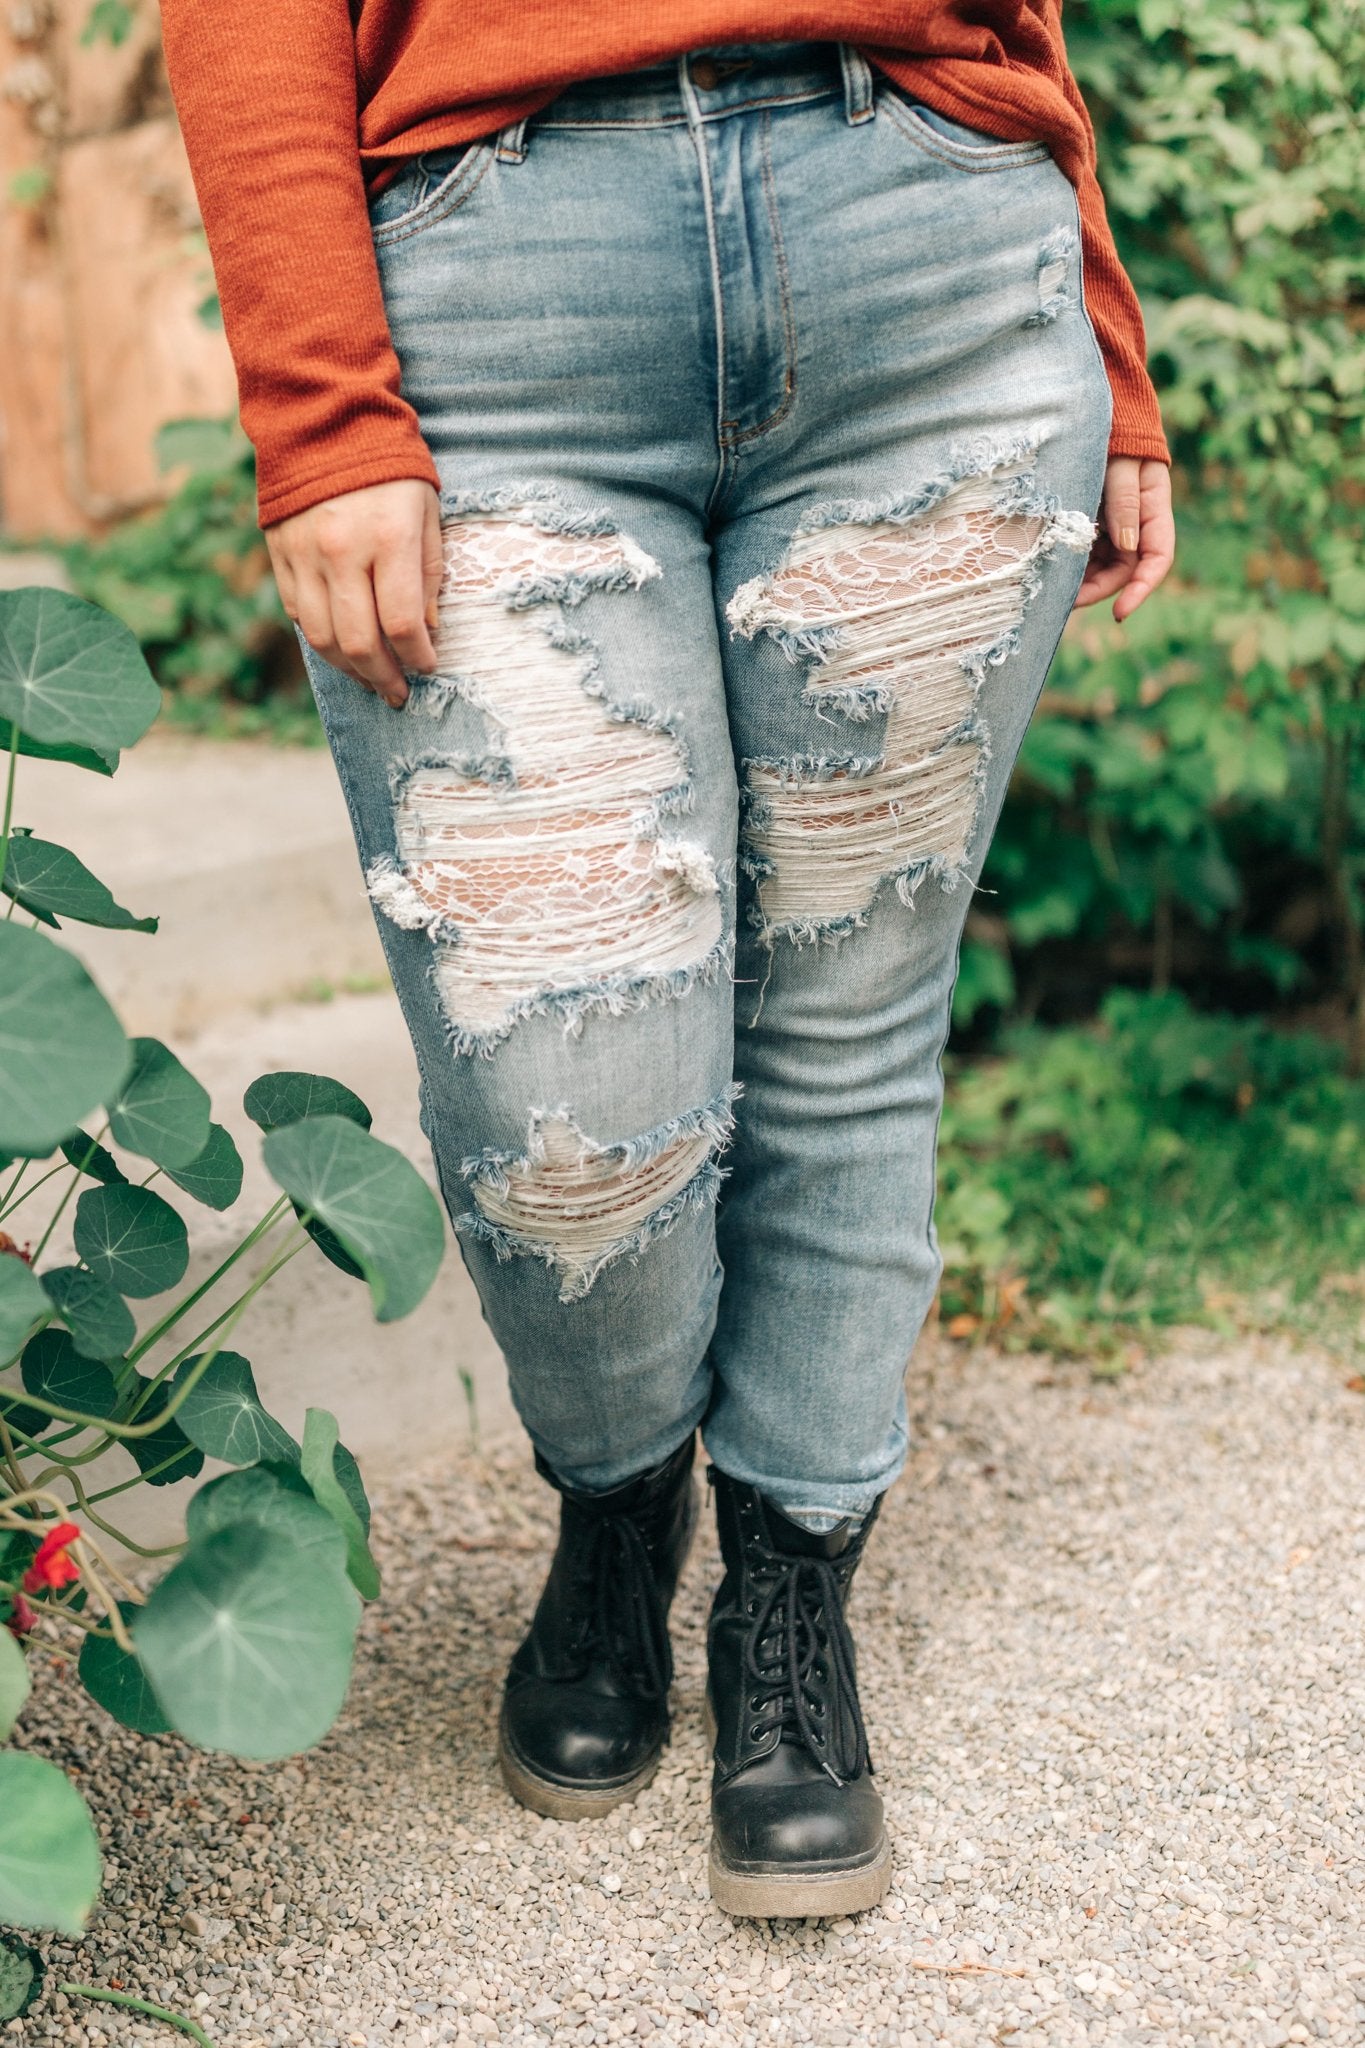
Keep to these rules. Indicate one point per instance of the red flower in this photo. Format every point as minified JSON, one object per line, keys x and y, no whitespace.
{"x":51,"y":1568}
{"x":22,"y":1620}
{"x":17,"y":1251}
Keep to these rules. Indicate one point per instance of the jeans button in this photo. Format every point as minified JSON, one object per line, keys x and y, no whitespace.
{"x":705,"y":75}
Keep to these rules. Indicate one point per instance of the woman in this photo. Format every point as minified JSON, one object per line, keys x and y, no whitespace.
{"x":679,"y":432}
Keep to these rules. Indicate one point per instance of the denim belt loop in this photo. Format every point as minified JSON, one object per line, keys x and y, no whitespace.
{"x":512,"y":143}
{"x":860,"y":95}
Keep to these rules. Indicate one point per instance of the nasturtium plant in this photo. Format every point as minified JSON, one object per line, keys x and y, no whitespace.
{"x":245,"y":1642}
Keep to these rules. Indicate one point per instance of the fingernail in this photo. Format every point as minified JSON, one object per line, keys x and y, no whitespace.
{"x":1128,"y":539}
{"x":432,"y":616}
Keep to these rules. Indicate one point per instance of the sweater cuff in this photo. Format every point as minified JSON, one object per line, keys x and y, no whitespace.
{"x":283,"y":500}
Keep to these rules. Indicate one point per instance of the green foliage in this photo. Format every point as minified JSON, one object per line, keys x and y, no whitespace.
{"x":49,"y":1858}
{"x":1147,"y":1169}
{"x":192,"y":580}
{"x":1190,"y":804}
{"x":246,"y":1643}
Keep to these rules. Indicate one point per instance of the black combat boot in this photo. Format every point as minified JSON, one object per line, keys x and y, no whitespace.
{"x":585,"y":1713}
{"x":797,"y":1821}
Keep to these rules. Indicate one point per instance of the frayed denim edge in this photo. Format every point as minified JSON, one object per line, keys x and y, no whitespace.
{"x":614,"y":995}
{"x":714,"y":1122}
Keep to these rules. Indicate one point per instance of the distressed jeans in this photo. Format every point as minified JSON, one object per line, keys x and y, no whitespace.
{"x":771,"y":427}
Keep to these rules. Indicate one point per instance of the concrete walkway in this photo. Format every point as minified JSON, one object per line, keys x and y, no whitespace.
{"x":1113,"y":1640}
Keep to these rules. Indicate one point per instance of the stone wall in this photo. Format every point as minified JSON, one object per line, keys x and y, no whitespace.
{"x":102,"y":269}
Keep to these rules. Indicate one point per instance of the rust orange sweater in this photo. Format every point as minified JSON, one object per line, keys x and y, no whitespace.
{"x":287,"y":106}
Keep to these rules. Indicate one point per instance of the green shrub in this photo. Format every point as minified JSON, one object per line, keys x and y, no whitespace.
{"x":1098,"y":1182}
{"x":1190,"y":806}
{"x":276,"y":1553}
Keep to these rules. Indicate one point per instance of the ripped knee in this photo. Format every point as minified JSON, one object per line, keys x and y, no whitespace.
{"x":900,"y":609}
{"x":549,"y":870}
{"x":578,"y":1204}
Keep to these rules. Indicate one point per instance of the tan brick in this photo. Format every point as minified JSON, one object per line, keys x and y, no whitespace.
{"x":134,"y":275}
{"x":107,"y":85}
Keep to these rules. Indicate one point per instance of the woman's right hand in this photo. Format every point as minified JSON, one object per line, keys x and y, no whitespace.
{"x":359,"y":573}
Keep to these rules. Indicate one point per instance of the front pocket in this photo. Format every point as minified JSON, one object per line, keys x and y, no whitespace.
{"x":432,"y":186}
{"x":972,"y":149}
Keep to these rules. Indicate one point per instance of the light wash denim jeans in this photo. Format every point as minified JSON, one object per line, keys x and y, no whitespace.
{"x":771,"y":427}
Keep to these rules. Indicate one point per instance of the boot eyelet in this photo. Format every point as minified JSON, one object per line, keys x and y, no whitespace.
{"x":755,"y":1735}
{"x":754,"y":1706}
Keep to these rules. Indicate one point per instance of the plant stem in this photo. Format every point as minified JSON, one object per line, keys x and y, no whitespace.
{"x":156,"y":2012}
{"x":172,"y":1316}
{"x":16,"y":1470}
{"x":9,"y":800}
{"x":24,"y":1165}
{"x":77,"y":1172}
{"x":231,"y":1312}
{"x":108,"y":1492}
{"x":51,"y":1174}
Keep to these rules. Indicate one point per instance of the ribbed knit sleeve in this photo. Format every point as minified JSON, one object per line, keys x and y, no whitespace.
{"x":1109,"y":296}
{"x":267,"y":104}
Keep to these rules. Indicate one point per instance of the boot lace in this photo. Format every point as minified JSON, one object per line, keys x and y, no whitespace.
{"x":621,"y":1617}
{"x":798,"y":1655}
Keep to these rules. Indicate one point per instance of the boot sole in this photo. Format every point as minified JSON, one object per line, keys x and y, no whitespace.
{"x":798,"y":1894}
{"x":566,"y":1802}
{"x":775,"y":1895}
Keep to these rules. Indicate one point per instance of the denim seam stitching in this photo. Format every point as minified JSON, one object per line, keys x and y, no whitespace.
{"x":1003,"y":156}
{"x":717,"y":286}
{"x":775,"y":418}
{"x":443,"y":202}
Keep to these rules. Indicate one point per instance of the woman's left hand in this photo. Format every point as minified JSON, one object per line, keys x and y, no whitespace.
{"x":1135,"y":545}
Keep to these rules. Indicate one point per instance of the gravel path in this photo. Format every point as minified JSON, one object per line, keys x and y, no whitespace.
{"x":1114,"y":1673}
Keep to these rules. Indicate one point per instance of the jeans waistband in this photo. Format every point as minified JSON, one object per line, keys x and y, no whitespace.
{"x":713,"y":83}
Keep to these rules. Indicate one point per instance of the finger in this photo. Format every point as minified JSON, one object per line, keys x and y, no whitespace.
{"x":1157,"y":549}
{"x":1149,"y":573}
{"x":1100,"y":581}
{"x":400,"y":600}
{"x":285,"y":582}
{"x":433,"y":565}
{"x":314,"y":613}
{"x":365,"y":654}
{"x":1123,"y":504}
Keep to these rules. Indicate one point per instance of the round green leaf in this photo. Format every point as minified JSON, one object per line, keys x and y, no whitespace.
{"x":76,"y":757}
{"x":71,"y":674}
{"x":14,"y":1680}
{"x":223,"y":1414}
{"x":132,"y":1239}
{"x":278,"y":1099}
{"x":85,"y":1152}
{"x":248,"y":1642}
{"x":351,"y":1484}
{"x":161,"y":1111}
{"x":62,"y":1049}
{"x":19,"y":1416}
{"x":215,"y":1176}
{"x":276,"y":1496}
{"x":319,"y":1448}
{"x":53,"y":1370}
{"x":371,"y":1197}
{"x":21,"y":1976}
{"x":118,"y":1683}
{"x":22,"y":1302}
{"x":169,"y":1441}
{"x":49,"y":1858}
{"x":51,"y":883}
{"x":100,"y":1321}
